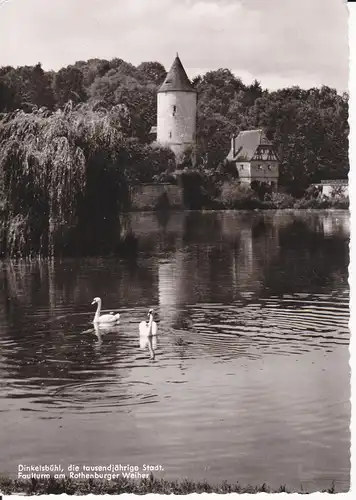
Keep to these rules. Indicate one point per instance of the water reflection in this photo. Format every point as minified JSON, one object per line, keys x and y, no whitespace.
{"x":102,"y":330}
{"x":219,"y":258}
{"x":240,"y":298}
{"x":150,"y":342}
{"x":197,"y":258}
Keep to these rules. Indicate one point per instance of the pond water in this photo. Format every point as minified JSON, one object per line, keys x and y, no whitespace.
{"x":250,"y":380}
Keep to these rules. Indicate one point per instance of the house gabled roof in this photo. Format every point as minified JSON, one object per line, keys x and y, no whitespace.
{"x":246,"y":144}
{"x":177,"y":79}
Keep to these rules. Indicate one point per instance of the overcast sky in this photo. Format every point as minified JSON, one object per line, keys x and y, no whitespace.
{"x":279,"y":42}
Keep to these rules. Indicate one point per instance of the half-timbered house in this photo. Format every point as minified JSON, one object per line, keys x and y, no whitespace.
{"x":255,"y":158}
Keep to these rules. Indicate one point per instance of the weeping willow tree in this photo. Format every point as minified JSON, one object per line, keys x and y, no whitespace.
{"x":60,"y":178}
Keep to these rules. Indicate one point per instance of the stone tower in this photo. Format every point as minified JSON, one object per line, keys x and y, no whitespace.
{"x":176,"y":111}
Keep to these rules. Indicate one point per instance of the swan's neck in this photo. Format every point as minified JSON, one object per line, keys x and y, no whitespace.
{"x":98,"y":309}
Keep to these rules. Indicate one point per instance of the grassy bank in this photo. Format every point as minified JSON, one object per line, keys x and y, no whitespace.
{"x":139,"y":487}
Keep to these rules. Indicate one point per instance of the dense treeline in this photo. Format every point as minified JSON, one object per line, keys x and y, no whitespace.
{"x":309,"y":127}
{"x":72,"y":140}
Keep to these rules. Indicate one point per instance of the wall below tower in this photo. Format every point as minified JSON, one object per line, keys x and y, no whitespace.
{"x":153,"y":196}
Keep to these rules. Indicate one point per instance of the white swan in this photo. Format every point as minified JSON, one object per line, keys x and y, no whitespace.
{"x":148,"y":328}
{"x":104,"y":319}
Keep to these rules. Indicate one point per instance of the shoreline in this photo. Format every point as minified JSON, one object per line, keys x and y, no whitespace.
{"x":122,"y":485}
{"x":229,"y":209}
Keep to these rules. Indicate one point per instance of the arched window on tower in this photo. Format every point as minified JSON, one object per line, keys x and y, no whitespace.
{"x":174,"y":110}
{"x":170,"y":135}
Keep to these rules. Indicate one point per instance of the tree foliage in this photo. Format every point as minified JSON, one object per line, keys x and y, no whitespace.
{"x":310,"y":131}
{"x":65,"y":173}
{"x":309,"y":127}
{"x":71,"y":140}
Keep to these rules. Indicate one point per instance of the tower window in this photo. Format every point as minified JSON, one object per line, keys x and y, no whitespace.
{"x":174,"y":110}
{"x":170,"y":135}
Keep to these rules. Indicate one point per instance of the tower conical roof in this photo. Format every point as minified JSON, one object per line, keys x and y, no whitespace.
{"x":176,"y":79}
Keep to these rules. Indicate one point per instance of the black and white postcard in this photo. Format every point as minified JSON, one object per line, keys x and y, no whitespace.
{"x":174,"y":246}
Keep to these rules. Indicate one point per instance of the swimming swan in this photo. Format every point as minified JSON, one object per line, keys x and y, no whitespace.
{"x":148,"y":328}
{"x":104,"y":319}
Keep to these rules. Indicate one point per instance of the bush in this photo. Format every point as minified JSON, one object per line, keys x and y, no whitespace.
{"x":341,"y":203}
{"x":322,"y":203}
{"x":235,"y":195}
{"x":282,"y":200}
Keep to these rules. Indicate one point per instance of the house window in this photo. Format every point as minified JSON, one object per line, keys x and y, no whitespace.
{"x":242,"y":167}
{"x":269,"y":167}
{"x":174,"y":110}
{"x":260,"y":167}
